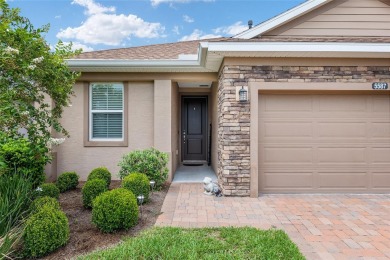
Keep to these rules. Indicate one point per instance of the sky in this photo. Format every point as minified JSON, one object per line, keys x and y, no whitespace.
{"x":102,"y":24}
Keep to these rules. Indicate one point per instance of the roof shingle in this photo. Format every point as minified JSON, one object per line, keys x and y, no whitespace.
{"x":171,"y":51}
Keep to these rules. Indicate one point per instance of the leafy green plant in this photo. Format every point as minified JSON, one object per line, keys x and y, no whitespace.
{"x":15,"y":197}
{"x":115,"y":209}
{"x":31,"y":74}
{"x":10,"y":242}
{"x":47,"y":189}
{"x":100,"y":173}
{"x":45,"y":231}
{"x":67,"y":181}
{"x":137,"y":183}
{"x":42,"y":202}
{"x":19,"y":156}
{"x":91,"y":190}
{"x":151,"y":162}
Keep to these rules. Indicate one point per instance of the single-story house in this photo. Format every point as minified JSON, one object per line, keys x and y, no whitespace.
{"x":316,"y":118}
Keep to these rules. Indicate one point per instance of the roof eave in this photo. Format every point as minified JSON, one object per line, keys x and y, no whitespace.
{"x":217,"y":52}
{"x":98,"y":65}
{"x":122,"y":65}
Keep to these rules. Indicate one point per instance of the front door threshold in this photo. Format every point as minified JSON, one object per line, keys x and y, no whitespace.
{"x":194,"y":162}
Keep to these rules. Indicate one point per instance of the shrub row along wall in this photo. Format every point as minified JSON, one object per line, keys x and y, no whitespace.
{"x":234,"y":117}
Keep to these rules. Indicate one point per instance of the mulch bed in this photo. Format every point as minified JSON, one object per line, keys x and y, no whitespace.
{"x":85,"y":237}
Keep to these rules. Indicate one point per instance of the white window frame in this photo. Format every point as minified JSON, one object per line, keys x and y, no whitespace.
{"x":91,"y":112}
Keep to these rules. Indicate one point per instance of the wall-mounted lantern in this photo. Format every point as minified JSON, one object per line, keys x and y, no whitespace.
{"x":242,"y":94}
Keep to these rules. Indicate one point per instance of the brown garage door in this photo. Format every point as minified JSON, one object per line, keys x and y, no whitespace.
{"x":324,"y":143}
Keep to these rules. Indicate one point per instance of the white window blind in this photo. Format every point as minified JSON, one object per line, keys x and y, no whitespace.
{"x":106,"y":111}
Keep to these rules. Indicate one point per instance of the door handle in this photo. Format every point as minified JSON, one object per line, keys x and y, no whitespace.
{"x":184,"y":136}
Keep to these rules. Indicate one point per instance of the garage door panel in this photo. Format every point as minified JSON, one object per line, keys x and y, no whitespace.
{"x":344,"y":180}
{"x":287,"y":180}
{"x":282,"y":103}
{"x":288,"y":129}
{"x":342,"y":103}
{"x":343,"y":155}
{"x":380,"y":155}
{"x":342,"y":129}
{"x":380,"y":180}
{"x":288,"y":155}
{"x":324,"y":143}
{"x":381,"y":104}
{"x":380,"y":129}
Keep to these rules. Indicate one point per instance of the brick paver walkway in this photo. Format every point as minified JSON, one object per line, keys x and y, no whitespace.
{"x":323,"y":226}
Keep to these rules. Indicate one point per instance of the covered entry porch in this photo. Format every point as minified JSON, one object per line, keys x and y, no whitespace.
{"x":193,"y":129}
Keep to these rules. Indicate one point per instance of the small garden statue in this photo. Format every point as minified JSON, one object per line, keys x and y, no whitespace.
{"x":211,"y":188}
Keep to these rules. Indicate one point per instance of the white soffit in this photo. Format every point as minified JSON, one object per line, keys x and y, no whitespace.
{"x":281,"y":19}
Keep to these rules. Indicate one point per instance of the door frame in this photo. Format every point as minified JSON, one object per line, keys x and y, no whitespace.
{"x":182,"y":98}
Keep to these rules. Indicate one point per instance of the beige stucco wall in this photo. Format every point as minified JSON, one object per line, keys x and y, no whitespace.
{"x":175,"y":127}
{"x":153,"y":121}
{"x":73,"y":156}
{"x":213,"y":109}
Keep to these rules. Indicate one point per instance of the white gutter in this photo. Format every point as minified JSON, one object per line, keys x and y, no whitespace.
{"x":185,"y":62}
{"x":300,"y":47}
{"x":130,"y":63}
{"x":281,"y":19}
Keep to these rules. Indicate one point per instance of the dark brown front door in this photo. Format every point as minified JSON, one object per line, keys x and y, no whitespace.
{"x":194,"y":128}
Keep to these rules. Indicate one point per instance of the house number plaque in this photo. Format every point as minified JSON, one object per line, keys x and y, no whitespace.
{"x":380,"y":85}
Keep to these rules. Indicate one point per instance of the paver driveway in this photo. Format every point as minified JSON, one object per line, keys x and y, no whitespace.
{"x":323,"y":226}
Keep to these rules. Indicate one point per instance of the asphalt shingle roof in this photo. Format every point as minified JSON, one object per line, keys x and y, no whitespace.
{"x":168,"y":51}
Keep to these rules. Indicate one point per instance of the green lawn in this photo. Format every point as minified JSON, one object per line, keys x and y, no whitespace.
{"x":205,"y":243}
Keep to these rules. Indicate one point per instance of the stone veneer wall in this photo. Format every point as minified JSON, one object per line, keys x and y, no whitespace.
{"x":234,"y":117}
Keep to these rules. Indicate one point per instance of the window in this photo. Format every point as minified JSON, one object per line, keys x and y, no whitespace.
{"x":106,"y":108}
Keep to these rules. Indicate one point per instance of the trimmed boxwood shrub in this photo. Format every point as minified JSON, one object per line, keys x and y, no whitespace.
{"x":91,"y":190}
{"x":137,"y":183}
{"x":151,"y":162}
{"x":45,"y":231}
{"x":115,"y":209}
{"x":42,"y":202}
{"x":100,"y":173}
{"x":20,"y":156}
{"x":47,"y":189}
{"x":67,"y":181}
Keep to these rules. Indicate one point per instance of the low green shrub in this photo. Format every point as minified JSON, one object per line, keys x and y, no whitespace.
{"x":42,"y":202}
{"x":45,"y":231}
{"x":137,"y":183}
{"x":67,"y":181}
{"x":115,"y":209}
{"x":151,"y":162}
{"x":91,"y":190}
{"x":19,"y":156}
{"x":47,"y":189}
{"x":100,"y":173}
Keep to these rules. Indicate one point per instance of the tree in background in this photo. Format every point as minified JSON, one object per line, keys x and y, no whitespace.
{"x":35,"y":86}
{"x":35,"y":82}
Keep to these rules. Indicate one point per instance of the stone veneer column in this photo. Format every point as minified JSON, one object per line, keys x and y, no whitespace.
{"x":233,"y":135}
{"x":163,"y":119}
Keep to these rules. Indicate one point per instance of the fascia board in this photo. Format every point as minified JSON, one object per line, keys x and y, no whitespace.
{"x":299,"y":47}
{"x":281,"y":19}
{"x":121,"y":64}
{"x":130,"y":63}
